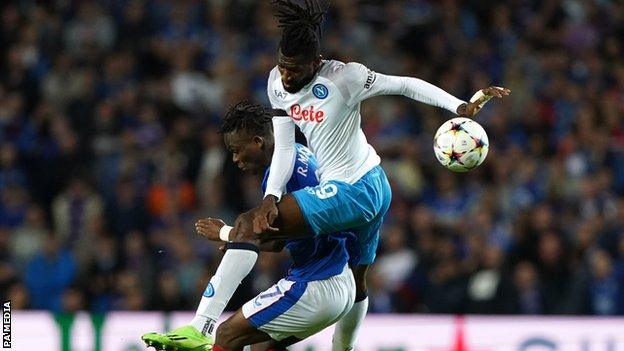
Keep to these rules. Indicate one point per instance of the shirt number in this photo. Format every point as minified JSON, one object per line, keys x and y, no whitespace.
{"x":326,"y":191}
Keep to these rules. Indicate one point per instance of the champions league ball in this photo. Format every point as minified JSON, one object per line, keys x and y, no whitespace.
{"x":460,"y":144}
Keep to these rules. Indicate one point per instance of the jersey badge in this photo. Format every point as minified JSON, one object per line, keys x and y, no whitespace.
{"x":320,"y":91}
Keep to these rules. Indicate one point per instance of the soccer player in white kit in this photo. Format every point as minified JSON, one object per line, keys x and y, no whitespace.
{"x":323,"y":98}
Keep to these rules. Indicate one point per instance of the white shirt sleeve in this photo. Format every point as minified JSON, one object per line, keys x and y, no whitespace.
{"x":359,"y":83}
{"x":284,"y":155}
{"x":273,"y":99}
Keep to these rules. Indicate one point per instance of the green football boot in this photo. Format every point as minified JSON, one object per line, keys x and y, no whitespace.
{"x":185,"y":338}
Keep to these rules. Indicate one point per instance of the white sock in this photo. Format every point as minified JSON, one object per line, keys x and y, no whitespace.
{"x":237,"y":262}
{"x":347,"y":328}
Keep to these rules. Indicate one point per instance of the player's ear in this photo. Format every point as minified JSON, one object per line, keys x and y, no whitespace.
{"x":317,"y":61}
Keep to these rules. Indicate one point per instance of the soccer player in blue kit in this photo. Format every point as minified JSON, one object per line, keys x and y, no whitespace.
{"x":319,"y":288}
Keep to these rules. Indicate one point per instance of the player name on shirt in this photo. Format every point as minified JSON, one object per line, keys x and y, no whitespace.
{"x":303,"y":158}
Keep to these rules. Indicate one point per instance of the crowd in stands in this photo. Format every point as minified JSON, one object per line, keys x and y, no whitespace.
{"x":109,"y":151}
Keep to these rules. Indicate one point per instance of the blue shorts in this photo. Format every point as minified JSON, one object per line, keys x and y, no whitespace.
{"x":359,"y":208}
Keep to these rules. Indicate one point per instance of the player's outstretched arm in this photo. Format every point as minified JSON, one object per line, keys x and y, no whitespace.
{"x":211,"y":228}
{"x":288,"y":225}
{"x":360,"y":83}
{"x":479,"y":99}
{"x":217,"y":230}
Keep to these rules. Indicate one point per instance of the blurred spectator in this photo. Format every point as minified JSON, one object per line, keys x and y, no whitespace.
{"x":187,"y":265}
{"x":554,"y":271}
{"x":398,"y":259}
{"x":168,"y":296}
{"x":10,"y":173}
{"x":73,"y":300}
{"x":8,"y":274}
{"x":170,"y":194}
{"x":528,"y":290}
{"x":28,"y":239}
{"x":489,"y":289}
{"x":129,"y":294}
{"x":446,"y":291}
{"x":606,"y":291}
{"x":91,"y":27}
{"x":13,"y":206}
{"x":75,"y":210}
{"x":127,"y":210}
{"x":380,"y":298}
{"x":49,"y":274}
{"x":19,"y":296}
{"x":136,"y":257}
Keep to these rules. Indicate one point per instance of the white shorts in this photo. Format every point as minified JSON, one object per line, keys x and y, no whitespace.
{"x":301,"y":309}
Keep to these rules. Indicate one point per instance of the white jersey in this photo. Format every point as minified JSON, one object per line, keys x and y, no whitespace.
{"x":327,"y":111}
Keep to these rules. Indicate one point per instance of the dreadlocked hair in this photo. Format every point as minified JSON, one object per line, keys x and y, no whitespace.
{"x":301,"y":27}
{"x":247,"y":116}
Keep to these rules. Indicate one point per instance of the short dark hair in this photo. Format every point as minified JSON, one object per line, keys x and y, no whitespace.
{"x":247,"y":116}
{"x":301,"y":36}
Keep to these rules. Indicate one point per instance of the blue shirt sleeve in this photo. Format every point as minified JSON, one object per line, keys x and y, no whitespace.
{"x":304,"y":171}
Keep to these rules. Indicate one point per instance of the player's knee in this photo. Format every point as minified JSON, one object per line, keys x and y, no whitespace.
{"x":360,"y":285}
{"x":361,"y":288}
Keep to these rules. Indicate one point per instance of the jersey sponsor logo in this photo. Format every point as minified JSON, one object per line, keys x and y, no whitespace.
{"x":307,"y":114}
{"x":209,"y":292}
{"x":280,"y":94}
{"x":320,"y":91}
{"x":372,"y":77}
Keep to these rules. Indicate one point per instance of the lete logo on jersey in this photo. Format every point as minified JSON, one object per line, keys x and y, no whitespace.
{"x":299,"y":113}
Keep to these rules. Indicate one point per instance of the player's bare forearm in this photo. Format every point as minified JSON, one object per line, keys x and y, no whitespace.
{"x":462,"y":110}
{"x":282,"y":235}
{"x":288,"y":225}
{"x":267,"y":246}
{"x":272,"y":246}
{"x":479,"y":99}
{"x":265,"y":214}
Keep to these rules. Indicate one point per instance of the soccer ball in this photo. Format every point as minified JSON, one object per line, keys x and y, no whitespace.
{"x":460,"y":144}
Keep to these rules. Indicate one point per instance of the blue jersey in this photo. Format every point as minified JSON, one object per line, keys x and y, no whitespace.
{"x":321,"y":256}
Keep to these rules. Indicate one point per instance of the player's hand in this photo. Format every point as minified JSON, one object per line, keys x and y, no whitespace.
{"x":265,"y":215}
{"x":479,"y":99}
{"x":209,"y":227}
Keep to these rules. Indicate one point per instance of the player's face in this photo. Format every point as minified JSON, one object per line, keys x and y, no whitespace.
{"x":247,"y":151}
{"x":296,"y":72}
